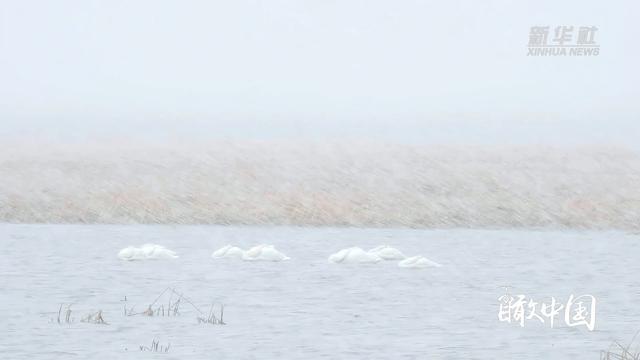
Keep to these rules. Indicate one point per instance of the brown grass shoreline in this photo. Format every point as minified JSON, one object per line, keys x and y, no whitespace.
{"x":360,"y":184}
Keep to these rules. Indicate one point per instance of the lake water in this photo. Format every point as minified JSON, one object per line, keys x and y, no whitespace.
{"x":307,"y":308}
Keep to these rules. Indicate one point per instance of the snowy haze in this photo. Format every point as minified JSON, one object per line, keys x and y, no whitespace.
{"x":363,"y":113}
{"x":437,"y":72}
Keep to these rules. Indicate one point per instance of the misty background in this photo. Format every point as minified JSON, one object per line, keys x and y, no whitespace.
{"x":382,"y":93}
{"x":453,"y":71}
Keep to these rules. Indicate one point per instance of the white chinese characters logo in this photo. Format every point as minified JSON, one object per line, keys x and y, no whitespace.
{"x":577,"y":311}
{"x":562,"y":43}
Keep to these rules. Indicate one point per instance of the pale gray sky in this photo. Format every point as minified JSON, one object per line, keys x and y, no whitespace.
{"x":440,"y":71}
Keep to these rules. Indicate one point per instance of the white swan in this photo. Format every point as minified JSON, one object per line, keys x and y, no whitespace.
{"x":228,"y":251}
{"x":146,"y":251}
{"x":353,"y":255}
{"x":417,"y":262}
{"x":264,"y":253}
{"x":386,"y":252}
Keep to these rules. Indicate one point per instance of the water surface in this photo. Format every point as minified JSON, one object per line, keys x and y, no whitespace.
{"x":306,"y":308}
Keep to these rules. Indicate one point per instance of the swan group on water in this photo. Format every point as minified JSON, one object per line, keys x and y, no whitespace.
{"x":261,"y":252}
{"x":228,"y":251}
{"x":264,"y":252}
{"x":146,"y":251}
{"x":356,"y":255}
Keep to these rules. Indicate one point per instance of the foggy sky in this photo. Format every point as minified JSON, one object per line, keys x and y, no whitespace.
{"x":419,"y":71}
